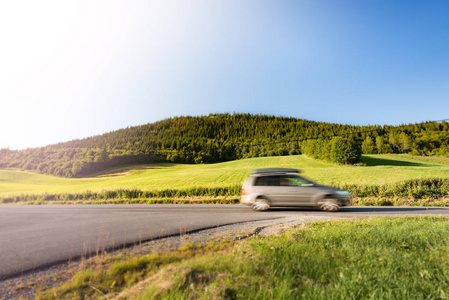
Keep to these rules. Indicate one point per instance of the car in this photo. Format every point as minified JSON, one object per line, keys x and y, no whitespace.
{"x":283,"y":187}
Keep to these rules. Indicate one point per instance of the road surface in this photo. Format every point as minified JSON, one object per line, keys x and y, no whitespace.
{"x":33,"y":237}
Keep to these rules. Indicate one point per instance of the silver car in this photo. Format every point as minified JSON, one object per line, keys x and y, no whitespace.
{"x":282,"y":187}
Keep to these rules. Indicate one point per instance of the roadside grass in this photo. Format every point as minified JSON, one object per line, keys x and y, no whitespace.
{"x":187,"y":200}
{"x":378,"y":170}
{"x":380,"y":257}
{"x":107,"y":275}
{"x":122,"y":196}
{"x":432,"y":188}
{"x":415,"y":192}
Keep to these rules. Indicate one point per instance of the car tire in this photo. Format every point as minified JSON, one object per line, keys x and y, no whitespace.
{"x":261,"y":204}
{"x":328,"y":204}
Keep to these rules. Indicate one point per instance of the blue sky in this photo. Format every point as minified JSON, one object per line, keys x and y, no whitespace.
{"x":73,"y":69}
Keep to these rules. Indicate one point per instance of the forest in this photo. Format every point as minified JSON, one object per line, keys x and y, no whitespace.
{"x":224,"y":137}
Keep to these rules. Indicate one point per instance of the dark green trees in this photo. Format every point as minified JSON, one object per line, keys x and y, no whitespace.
{"x":223,"y":137}
{"x":368,"y":146}
{"x":338,"y":150}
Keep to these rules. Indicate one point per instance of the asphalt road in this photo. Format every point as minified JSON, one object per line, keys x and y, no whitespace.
{"x":33,"y":237}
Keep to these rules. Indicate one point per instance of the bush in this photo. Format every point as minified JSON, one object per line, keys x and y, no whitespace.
{"x":345,"y":151}
{"x":429,"y":188}
{"x":319,"y":149}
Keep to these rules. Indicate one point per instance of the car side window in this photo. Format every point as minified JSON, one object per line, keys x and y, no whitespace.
{"x":260,"y":181}
{"x":284,"y":181}
{"x":280,"y":180}
{"x":267,"y":181}
{"x":296,"y":181}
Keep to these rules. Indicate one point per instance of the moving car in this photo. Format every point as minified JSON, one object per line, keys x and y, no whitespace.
{"x":283,"y":187}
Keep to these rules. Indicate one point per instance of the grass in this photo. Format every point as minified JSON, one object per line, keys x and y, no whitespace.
{"x":130,"y":196}
{"x":371,"y":258}
{"x":109,"y":275}
{"x":379,"y":170}
{"x":193,"y":200}
{"x":440,"y":159}
{"x":414,"y":192}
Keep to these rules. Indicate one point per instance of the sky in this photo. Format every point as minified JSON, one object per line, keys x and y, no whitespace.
{"x":74,"y":69}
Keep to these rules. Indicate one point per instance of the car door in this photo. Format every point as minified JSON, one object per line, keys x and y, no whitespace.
{"x":268,"y":186}
{"x":281,"y":191}
{"x":298,"y":191}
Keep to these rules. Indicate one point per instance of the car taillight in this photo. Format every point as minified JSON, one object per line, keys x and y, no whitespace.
{"x":244,"y":191}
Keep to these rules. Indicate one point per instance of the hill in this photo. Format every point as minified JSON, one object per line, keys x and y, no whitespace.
{"x":219,"y":138}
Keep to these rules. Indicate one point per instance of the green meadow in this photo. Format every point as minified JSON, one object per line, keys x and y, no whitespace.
{"x":375,"y":170}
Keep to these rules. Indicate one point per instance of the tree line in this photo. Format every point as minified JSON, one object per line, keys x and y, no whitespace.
{"x":224,"y":137}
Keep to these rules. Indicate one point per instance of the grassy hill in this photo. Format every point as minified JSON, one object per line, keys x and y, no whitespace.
{"x":378,"y":170}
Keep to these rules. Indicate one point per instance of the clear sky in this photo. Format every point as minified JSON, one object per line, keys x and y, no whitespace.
{"x":73,"y":69}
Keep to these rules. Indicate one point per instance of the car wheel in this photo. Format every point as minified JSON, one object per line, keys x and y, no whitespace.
{"x":260,"y":204}
{"x":328,"y":204}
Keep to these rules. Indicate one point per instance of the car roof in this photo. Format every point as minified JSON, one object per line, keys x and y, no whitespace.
{"x":266,"y":171}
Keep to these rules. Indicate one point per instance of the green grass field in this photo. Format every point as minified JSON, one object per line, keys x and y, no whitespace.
{"x":379,"y":169}
{"x":370,"y":258}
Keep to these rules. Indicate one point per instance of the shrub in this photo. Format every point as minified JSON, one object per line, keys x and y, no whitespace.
{"x":345,"y":151}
